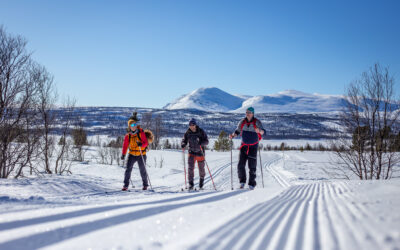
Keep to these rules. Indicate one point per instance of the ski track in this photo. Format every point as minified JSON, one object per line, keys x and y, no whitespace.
{"x":274,"y":173}
{"x":316,"y":215}
{"x":57,"y":234}
{"x":301,"y":217}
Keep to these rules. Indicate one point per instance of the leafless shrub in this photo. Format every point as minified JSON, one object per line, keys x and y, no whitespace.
{"x":369,"y":143}
{"x":154,"y":123}
{"x":18,"y":105}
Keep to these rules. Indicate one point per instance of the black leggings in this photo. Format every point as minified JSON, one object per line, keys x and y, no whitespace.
{"x":251,"y":158}
{"x":131,"y":160}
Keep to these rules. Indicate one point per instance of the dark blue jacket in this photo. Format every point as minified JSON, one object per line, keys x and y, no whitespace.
{"x":249,"y":134}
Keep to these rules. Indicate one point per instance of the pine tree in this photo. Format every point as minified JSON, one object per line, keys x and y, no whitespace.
{"x":223,"y":143}
{"x":167,"y":145}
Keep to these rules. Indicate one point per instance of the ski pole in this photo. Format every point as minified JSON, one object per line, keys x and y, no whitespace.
{"x":145,"y":168}
{"x":133,"y":186}
{"x":261,"y":166}
{"x":202,"y":152}
{"x":130,"y":179}
{"x":231,"y":166}
{"x":184,"y":165}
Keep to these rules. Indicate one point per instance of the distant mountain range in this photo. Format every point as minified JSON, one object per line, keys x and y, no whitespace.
{"x":112,"y":121}
{"x":289,"y":101}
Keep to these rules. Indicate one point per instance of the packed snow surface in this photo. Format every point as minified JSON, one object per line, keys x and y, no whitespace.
{"x":303,"y":204}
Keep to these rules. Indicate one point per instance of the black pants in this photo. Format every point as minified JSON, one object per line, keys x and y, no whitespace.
{"x":131,"y":160}
{"x":251,"y":158}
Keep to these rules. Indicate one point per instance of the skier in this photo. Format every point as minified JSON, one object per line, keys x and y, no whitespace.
{"x":251,"y":130}
{"x":196,"y":137}
{"x":136,"y":141}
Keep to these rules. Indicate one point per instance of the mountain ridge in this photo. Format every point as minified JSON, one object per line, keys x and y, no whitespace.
{"x":287,"y":101}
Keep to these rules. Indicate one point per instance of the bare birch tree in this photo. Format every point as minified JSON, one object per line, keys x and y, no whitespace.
{"x":370,"y":122}
{"x":18,"y":96}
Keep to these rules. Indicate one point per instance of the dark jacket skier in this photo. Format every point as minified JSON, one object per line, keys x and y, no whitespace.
{"x":251,"y":130}
{"x":195,"y":137}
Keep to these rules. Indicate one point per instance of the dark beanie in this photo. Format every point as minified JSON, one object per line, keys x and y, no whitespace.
{"x":192,"y":122}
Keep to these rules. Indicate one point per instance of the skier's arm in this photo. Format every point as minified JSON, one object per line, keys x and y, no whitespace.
{"x":238,"y":129}
{"x":145,"y":143}
{"x":184,"y":141}
{"x":204,"y":140}
{"x":125,"y":145}
{"x":259,"y":125}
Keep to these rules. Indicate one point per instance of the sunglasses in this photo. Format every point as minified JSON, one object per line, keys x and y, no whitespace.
{"x":133,"y":125}
{"x":249,"y":112}
{"x":191,"y":125}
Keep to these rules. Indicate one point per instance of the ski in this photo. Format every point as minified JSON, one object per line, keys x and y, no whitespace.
{"x":189,"y":190}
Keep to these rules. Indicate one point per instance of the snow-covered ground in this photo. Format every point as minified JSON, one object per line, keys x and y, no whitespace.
{"x":301,"y":206}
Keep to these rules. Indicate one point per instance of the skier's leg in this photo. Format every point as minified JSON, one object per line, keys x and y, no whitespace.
{"x":252,"y":162}
{"x":128,"y":171}
{"x":191,"y":162}
{"x":242,"y":165}
{"x":202,"y":172}
{"x":142,"y":168}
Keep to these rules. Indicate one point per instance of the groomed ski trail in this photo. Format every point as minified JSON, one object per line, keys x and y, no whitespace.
{"x":319,"y":215}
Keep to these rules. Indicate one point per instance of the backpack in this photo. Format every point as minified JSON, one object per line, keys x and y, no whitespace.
{"x":245,"y":122}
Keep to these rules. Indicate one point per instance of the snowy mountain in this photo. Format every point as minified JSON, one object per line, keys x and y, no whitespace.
{"x":208,"y":99}
{"x":289,"y":101}
{"x":292,"y":101}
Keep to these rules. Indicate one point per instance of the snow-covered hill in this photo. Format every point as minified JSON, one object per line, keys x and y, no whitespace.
{"x":207,"y":99}
{"x":289,"y":101}
{"x":292,"y":101}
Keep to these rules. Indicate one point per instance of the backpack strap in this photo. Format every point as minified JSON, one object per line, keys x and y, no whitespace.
{"x":254,"y":125}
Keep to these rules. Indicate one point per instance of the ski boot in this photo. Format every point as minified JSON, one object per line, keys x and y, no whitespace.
{"x":144,"y":188}
{"x":242,"y":185}
{"x":191,"y":185}
{"x":124,"y":188}
{"x":251,"y":187}
{"x":201,"y":183}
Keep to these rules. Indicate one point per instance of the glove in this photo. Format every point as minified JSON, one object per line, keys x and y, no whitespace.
{"x":122,"y":157}
{"x":139,"y":144}
{"x":183,"y":145}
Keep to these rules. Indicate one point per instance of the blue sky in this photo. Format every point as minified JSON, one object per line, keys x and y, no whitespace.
{"x":148,"y":53}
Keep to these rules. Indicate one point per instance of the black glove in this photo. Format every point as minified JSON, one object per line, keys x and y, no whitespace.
{"x":139,"y":144}
{"x":183,"y":145}
{"x":122,"y":157}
